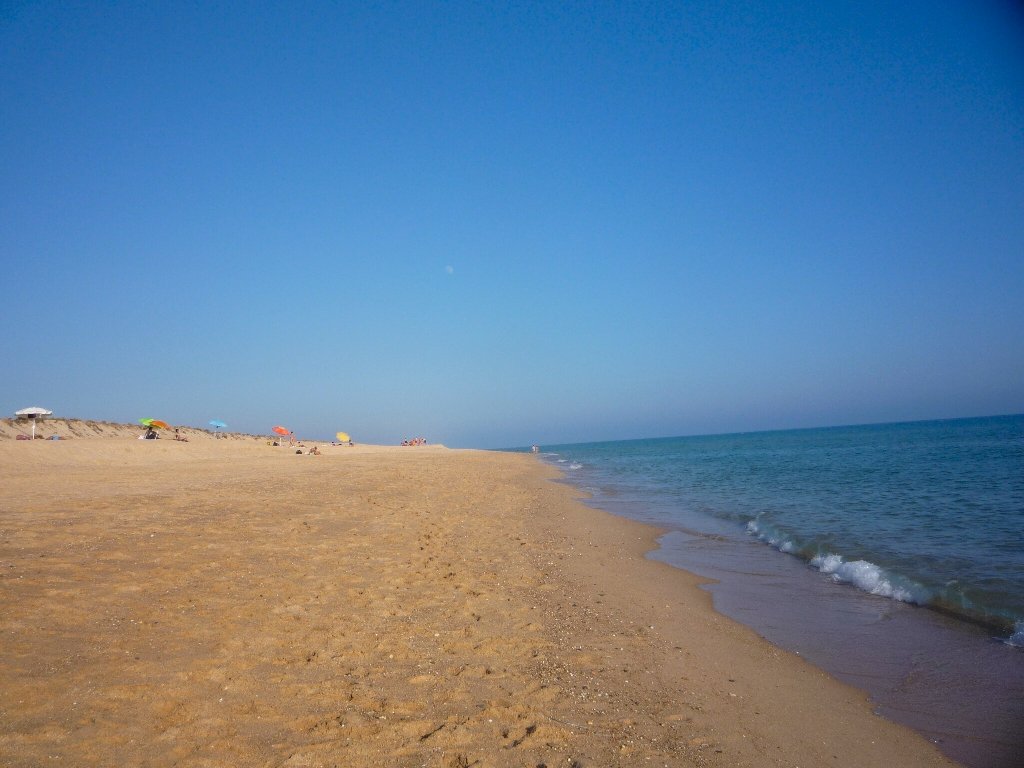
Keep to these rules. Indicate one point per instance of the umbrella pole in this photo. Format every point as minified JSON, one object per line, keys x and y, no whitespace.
{"x":33,"y":428}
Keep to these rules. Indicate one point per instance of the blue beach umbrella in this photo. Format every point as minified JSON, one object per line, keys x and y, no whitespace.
{"x":217,"y":424}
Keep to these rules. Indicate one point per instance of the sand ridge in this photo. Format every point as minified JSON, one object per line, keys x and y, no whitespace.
{"x":214,"y":604}
{"x":77,"y":429}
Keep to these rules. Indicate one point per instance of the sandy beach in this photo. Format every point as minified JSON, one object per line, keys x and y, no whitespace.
{"x":228,"y":603}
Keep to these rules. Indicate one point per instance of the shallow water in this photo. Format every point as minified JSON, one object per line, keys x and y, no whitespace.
{"x":890,"y":555}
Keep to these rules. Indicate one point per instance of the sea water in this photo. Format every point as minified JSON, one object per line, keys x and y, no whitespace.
{"x":891,"y":555}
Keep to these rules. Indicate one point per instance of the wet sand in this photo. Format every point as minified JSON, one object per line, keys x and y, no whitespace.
{"x":226,"y":603}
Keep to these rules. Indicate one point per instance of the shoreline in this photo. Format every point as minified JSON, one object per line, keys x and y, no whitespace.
{"x":376,"y":606}
{"x":765,"y":685}
{"x":949,"y":680}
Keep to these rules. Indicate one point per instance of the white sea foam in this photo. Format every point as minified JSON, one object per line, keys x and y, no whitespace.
{"x":574,"y":465}
{"x":827,"y":563}
{"x":1017,"y":638}
{"x":868,"y":577}
{"x":771,"y":538}
{"x":860,"y":573}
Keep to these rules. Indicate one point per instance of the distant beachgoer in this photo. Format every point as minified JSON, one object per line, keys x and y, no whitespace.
{"x":150,"y":434}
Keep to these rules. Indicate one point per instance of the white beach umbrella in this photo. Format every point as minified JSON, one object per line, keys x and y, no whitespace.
{"x":33,"y":413}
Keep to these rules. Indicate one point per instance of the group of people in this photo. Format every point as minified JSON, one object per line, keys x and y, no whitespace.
{"x":415,"y":441}
{"x":297,"y":444}
{"x":152,"y":434}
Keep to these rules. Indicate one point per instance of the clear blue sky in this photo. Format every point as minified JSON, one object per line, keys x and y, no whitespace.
{"x":493,"y":226}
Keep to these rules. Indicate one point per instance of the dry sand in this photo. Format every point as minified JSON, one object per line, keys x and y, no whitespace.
{"x":225,"y":603}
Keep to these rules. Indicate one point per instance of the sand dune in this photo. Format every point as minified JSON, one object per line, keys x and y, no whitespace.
{"x":76,"y":429}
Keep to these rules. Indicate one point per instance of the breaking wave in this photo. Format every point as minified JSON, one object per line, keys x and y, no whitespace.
{"x":1017,"y":638}
{"x":870,"y":578}
{"x":864,"y":575}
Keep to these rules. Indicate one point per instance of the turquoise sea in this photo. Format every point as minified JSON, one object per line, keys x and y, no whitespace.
{"x":892,"y":555}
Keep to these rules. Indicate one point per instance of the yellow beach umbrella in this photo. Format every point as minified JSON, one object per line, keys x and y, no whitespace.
{"x":343,"y":437}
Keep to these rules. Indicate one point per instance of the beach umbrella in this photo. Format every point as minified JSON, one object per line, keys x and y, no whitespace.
{"x":217,"y":424}
{"x":281,"y":431}
{"x":343,"y":437}
{"x":32,"y":414}
{"x":159,"y":424}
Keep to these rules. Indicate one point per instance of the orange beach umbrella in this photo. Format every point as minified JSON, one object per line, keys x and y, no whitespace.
{"x":281,"y":430}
